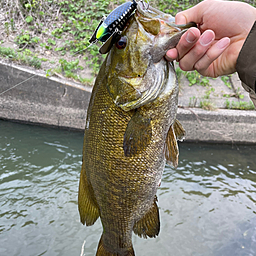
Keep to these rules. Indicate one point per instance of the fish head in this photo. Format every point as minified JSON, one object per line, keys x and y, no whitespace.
{"x":135,"y":66}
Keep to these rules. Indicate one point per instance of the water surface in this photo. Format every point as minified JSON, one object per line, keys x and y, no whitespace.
{"x":207,"y":205}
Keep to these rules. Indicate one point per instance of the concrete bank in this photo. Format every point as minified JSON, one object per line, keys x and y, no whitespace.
{"x":28,"y":96}
{"x":32,"y":98}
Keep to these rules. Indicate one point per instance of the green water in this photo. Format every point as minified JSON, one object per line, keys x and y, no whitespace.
{"x":207,"y":205}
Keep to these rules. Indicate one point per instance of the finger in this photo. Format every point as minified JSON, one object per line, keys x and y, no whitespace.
{"x":203,"y":65}
{"x":187,"y":41}
{"x":188,"y":61}
{"x":180,"y":18}
{"x":172,"y":55}
{"x":192,"y":14}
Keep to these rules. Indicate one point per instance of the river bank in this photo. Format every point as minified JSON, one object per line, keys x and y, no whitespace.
{"x":28,"y":96}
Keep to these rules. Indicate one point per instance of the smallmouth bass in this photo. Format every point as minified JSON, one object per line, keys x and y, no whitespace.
{"x":131,"y":130}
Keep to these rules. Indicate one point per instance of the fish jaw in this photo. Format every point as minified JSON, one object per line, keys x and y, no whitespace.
{"x":168,"y":34}
{"x":168,"y":38}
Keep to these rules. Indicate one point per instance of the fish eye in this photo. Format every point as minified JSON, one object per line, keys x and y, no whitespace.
{"x":121,"y":43}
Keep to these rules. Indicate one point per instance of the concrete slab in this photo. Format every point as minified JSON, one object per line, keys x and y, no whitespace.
{"x":229,"y":126}
{"x":28,"y":96}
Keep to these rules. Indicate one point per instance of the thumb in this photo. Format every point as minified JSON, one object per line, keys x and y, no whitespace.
{"x":193,"y":14}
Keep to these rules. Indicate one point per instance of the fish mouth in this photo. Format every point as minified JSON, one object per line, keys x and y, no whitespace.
{"x":150,"y":12}
{"x":162,"y":26}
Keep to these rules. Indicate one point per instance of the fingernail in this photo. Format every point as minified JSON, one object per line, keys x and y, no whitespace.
{"x":206,"y":39}
{"x":223,"y":43}
{"x":191,"y":37}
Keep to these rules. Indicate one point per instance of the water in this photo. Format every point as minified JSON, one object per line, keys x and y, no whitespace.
{"x":207,"y":205}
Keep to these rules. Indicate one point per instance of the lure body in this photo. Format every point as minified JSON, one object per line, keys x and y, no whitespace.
{"x":109,"y":29}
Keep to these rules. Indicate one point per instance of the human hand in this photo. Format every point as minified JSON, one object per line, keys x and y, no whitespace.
{"x":213,"y":48}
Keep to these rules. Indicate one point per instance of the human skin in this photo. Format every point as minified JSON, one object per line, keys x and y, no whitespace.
{"x":213,"y":48}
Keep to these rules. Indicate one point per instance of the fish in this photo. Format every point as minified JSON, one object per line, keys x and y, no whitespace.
{"x":131,"y":131}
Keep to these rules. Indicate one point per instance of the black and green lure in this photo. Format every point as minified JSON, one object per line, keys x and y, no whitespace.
{"x":109,"y":29}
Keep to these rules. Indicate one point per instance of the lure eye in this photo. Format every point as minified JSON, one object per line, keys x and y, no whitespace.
{"x":121,"y":43}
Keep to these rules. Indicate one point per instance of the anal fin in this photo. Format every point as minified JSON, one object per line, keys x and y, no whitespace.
{"x":137,"y":135}
{"x":87,"y":206}
{"x":149,"y":225}
{"x":171,"y":148}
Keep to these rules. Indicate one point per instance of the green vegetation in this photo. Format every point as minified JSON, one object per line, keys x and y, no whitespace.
{"x":208,"y":92}
{"x":63,"y":28}
{"x":227,"y":81}
{"x":173,"y":6}
{"x":242,"y":105}
{"x":24,"y":39}
{"x":69,"y":70}
{"x":195,"y":78}
{"x":192,"y":102}
{"x":25,"y":57}
{"x":207,"y":105}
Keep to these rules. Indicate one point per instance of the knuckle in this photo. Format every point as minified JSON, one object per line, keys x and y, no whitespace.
{"x":198,"y":51}
{"x":185,"y":67}
{"x":199,"y":67}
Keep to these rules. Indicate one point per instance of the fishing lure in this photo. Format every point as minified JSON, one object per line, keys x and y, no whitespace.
{"x":109,"y":29}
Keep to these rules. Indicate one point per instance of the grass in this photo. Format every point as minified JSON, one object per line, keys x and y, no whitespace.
{"x":241,"y":105}
{"x":63,"y":27}
{"x":207,"y":105}
{"x":195,"y":78}
{"x":192,"y":102}
{"x":60,"y":26}
{"x":25,"y":57}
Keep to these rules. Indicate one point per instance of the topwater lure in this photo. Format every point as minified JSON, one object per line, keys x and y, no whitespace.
{"x":109,"y":29}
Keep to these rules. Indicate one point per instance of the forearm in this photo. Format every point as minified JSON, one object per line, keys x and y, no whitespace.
{"x":246,"y":64}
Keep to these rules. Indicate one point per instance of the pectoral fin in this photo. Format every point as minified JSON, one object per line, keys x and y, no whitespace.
{"x":171,"y":148}
{"x":137,"y":135}
{"x":149,"y":225}
{"x":87,"y":206}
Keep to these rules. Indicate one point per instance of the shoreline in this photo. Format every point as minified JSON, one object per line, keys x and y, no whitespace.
{"x":35,"y":99}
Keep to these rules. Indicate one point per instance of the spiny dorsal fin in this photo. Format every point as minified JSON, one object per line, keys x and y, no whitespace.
{"x":87,"y":206}
{"x":137,"y":135}
{"x":171,"y":148}
{"x":149,"y":225}
{"x":179,"y":130}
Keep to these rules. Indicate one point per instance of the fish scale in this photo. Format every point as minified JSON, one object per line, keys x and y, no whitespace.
{"x":131,"y":131}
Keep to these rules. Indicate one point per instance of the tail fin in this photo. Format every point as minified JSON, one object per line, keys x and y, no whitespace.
{"x":102,"y":251}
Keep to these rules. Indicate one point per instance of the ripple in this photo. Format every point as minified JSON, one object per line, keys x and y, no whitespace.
{"x":205,"y":204}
